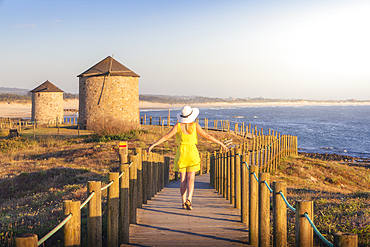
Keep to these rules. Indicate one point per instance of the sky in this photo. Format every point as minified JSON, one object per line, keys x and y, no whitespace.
{"x":316,"y":49}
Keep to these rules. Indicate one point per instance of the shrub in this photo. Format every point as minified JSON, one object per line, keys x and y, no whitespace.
{"x":12,"y":144}
{"x":111,"y":126}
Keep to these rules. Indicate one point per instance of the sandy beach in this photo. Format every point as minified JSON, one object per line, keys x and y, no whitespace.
{"x":16,"y":110}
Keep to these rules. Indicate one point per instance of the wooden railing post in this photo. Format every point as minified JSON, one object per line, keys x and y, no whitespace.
{"x":216,"y":182}
{"x":139,"y":177}
{"x":222,"y":177}
{"x":303,"y":228}
{"x":212,"y":171}
{"x":150,"y":176}
{"x":238,"y":153}
{"x":245,"y":190}
{"x":226,"y":160}
{"x":122,"y":152}
{"x":26,"y":240}
{"x":279,"y":214}
{"x":113,"y":209}
{"x":94,"y":219}
{"x":232,"y":176}
{"x":124,"y":212}
{"x":144,"y":176}
{"x":264,"y":210}
{"x":217,"y":172}
{"x":208,"y":162}
{"x":155,"y":173}
{"x":133,"y":188}
{"x":345,"y":239}
{"x":72,"y":229}
{"x":253,"y":206}
{"x":159,"y":181}
{"x":166,"y":170}
{"x":162,"y":172}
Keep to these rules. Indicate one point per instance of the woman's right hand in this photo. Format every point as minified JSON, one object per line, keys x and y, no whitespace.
{"x":224,"y":147}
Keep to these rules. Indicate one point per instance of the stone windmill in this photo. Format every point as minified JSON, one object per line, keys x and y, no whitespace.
{"x":108,"y":92}
{"x":47,"y":103}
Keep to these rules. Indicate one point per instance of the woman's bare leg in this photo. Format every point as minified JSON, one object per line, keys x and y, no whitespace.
{"x":190,"y":176}
{"x":183,"y":186}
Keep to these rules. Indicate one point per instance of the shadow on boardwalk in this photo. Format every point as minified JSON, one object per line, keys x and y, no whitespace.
{"x":213,"y":220}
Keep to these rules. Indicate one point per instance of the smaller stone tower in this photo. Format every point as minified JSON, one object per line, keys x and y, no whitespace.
{"x":47,"y":103}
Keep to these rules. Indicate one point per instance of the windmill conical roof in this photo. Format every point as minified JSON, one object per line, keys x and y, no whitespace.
{"x":47,"y":87}
{"x":108,"y":66}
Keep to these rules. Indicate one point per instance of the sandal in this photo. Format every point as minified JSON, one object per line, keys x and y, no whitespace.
{"x":188,"y":205}
{"x":184,"y":206}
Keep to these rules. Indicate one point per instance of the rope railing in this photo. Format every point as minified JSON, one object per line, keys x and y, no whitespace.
{"x":87,"y":200}
{"x":286,"y":201}
{"x":317,"y":231}
{"x":305,"y":214}
{"x":230,"y":178}
{"x":60,"y":225}
{"x":255,"y":176}
{"x":268,"y":186}
{"x":293,"y":209}
{"x":107,"y":186}
{"x":150,"y":173}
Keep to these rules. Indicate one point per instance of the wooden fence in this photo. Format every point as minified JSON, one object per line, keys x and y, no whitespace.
{"x":20,"y":123}
{"x":242,"y":176}
{"x":141,"y":176}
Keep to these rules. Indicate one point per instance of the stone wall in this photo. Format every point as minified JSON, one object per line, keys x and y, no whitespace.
{"x":47,"y":107}
{"x":116,"y":101}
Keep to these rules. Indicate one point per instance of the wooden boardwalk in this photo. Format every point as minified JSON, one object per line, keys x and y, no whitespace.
{"x":212,"y":222}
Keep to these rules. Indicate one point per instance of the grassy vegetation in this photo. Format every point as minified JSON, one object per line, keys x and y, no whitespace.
{"x":341,"y":195}
{"x":37,"y":175}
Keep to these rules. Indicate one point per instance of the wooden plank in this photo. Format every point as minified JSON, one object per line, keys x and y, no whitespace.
{"x":213,"y":220}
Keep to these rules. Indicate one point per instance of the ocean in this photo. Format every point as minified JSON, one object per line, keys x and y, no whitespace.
{"x":320,"y":129}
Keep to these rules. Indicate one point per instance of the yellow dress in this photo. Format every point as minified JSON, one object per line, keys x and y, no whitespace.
{"x":187,"y":155}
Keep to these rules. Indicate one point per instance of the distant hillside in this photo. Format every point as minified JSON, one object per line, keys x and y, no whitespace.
{"x":27,"y":98}
{"x":18,"y":91}
{"x":23,"y":95}
{"x":169,"y":99}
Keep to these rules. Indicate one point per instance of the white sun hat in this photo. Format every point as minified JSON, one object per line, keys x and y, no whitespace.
{"x":187,"y":114}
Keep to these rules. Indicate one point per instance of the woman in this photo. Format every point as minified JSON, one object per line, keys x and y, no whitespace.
{"x":187,"y":160}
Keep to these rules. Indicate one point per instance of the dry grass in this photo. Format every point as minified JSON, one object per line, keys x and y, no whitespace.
{"x":341,"y":195}
{"x":37,"y":175}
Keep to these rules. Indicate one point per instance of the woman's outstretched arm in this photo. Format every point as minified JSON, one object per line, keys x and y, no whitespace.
{"x":164,"y":138}
{"x":204,"y":134}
